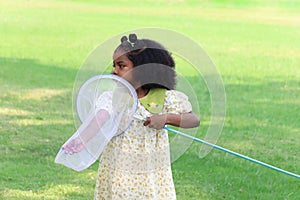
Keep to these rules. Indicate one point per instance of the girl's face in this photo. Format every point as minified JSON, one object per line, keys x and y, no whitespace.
{"x":122,"y":66}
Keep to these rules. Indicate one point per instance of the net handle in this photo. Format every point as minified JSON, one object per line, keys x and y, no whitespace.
{"x":225,"y":150}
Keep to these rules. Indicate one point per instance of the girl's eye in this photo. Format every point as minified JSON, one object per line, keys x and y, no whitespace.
{"x":120,"y":66}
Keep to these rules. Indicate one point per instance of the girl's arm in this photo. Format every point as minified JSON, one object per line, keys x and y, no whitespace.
{"x":185,"y":120}
{"x":86,"y":131}
{"x":94,"y":125}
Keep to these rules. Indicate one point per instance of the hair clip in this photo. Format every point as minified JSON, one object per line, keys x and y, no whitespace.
{"x":132,"y":40}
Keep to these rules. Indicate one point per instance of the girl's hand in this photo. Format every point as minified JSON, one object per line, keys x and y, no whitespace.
{"x":185,"y":120}
{"x":156,"y":121}
{"x":74,"y":146}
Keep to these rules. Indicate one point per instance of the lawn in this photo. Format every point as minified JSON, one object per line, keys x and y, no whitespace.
{"x":255,"y":46}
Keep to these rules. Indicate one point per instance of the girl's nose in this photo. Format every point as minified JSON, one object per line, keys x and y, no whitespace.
{"x":115,"y":71}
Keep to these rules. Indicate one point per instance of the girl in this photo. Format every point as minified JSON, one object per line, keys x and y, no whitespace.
{"x":136,"y":164}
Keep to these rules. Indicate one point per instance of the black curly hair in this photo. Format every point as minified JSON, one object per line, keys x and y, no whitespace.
{"x":154,"y":66}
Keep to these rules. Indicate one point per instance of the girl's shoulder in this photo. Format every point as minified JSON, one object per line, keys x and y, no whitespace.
{"x":177,"y":102}
{"x":175,"y":94}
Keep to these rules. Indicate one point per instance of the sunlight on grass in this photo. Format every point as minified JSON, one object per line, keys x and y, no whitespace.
{"x":38,"y":122}
{"x":272,"y":15}
{"x":262,"y":16}
{"x":31,"y":94}
{"x":54,"y":192}
{"x":64,"y":189}
{"x":14,"y":111}
{"x":40,"y":93}
{"x":14,"y":193}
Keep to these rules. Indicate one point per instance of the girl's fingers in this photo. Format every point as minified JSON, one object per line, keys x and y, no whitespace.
{"x":147,"y":122}
{"x":74,"y":146}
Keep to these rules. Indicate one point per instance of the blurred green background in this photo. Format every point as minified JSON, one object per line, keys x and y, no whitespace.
{"x":254,"y":44}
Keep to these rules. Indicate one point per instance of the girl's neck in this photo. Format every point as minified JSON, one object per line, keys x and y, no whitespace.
{"x":141,"y":92}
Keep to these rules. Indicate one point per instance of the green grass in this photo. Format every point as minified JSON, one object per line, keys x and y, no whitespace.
{"x":255,"y":45}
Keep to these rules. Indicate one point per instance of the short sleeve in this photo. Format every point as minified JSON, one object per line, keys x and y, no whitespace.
{"x":176,"y":102}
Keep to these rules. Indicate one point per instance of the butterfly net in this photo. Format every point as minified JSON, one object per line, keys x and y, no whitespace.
{"x":105,"y":106}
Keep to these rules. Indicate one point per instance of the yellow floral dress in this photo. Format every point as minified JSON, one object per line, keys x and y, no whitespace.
{"x":136,"y":165}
